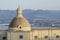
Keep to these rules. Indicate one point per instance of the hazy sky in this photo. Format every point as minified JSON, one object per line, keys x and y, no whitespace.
{"x":30,"y":4}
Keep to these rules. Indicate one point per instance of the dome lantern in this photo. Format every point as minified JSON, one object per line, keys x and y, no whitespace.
{"x":19,"y":11}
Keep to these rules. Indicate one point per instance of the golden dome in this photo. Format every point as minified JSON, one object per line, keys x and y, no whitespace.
{"x":19,"y":20}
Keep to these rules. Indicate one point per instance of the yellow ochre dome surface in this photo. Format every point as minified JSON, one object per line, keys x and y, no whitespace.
{"x":19,"y":20}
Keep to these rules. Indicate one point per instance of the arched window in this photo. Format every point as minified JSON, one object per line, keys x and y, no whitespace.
{"x":57,"y":36}
{"x":46,"y":37}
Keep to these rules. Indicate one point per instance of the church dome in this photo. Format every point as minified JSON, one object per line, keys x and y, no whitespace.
{"x":19,"y":20}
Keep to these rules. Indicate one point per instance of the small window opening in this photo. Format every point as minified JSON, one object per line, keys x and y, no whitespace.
{"x":21,"y":37}
{"x":46,"y":36}
{"x":20,"y":27}
{"x":57,"y":36}
{"x":36,"y":36}
{"x":4,"y":38}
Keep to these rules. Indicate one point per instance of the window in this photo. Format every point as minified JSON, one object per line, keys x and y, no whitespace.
{"x":4,"y":38}
{"x":36,"y":36}
{"x":57,"y":36}
{"x":20,"y":27}
{"x":21,"y":37}
{"x":46,"y":36}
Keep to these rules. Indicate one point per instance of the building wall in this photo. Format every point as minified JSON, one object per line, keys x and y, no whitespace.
{"x":34,"y":35}
{"x":3,"y":35}
{"x":44,"y":34}
{"x":16,"y":35}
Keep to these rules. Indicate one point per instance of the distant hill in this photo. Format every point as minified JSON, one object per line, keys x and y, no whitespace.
{"x":7,"y":15}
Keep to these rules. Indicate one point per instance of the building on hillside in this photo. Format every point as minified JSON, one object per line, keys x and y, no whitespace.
{"x":20,"y":29}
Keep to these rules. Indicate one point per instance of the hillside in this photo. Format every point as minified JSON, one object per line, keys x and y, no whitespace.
{"x":7,"y":15}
